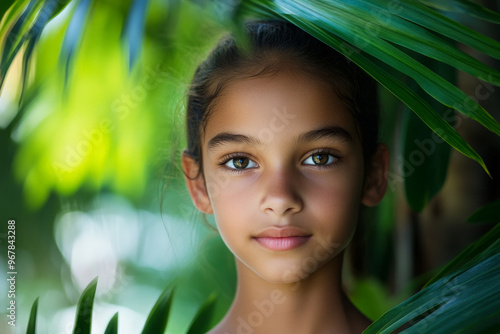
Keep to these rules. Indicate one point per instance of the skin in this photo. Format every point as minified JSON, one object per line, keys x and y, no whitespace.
{"x":281,"y":185}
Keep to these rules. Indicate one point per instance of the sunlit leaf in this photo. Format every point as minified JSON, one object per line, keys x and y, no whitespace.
{"x":32,"y":320}
{"x":16,"y":14}
{"x":204,"y":316}
{"x":30,"y":47}
{"x":158,"y":317}
{"x":112,"y":327}
{"x":13,"y":40}
{"x":8,"y":9}
{"x":83,"y":322}
{"x":23,"y":31}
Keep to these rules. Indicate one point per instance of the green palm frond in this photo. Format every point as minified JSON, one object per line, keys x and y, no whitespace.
{"x":22,"y":27}
{"x":204,"y":316}
{"x":32,"y":320}
{"x":344,"y":27}
{"x":112,"y":327}
{"x":463,"y":298}
{"x":83,"y":322}
{"x":425,"y":156}
{"x":156,"y":322}
{"x":158,"y":317}
{"x":465,"y":7}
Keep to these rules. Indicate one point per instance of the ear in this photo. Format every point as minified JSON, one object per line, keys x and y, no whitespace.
{"x":196,"y":183}
{"x":376,"y":177}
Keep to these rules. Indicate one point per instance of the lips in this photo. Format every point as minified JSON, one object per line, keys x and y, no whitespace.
{"x":283,"y":238}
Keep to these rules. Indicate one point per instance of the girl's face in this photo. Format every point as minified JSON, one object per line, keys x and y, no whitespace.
{"x":283,"y":172}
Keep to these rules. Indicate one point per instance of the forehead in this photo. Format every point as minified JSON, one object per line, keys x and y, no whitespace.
{"x":278,"y":106}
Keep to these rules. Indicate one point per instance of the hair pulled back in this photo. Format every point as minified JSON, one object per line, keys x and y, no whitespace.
{"x":275,"y":46}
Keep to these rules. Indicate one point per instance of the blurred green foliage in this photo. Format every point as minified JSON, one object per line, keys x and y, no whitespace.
{"x":97,"y":125}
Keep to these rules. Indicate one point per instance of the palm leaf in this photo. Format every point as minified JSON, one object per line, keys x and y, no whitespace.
{"x":6,"y":8}
{"x":27,"y":28}
{"x":437,"y":22}
{"x":158,"y":317}
{"x":400,"y":31}
{"x":23,"y":33}
{"x":14,"y":16}
{"x":419,"y":106}
{"x":465,"y":7}
{"x":14,"y":38}
{"x":425,"y":157}
{"x":339,"y":26}
{"x":344,"y":21}
{"x":112,"y":327}
{"x":469,"y":282}
{"x":203,"y":318}
{"x":478,"y":251}
{"x":425,"y":162}
{"x":32,"y":320}
{"x":84,"y":308}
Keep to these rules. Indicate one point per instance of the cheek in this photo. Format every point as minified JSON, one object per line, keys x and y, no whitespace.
{"x":340,"y":187}
{"x":227,"y":192}
{"x":229,"y":198}
{"x":334,"y":203}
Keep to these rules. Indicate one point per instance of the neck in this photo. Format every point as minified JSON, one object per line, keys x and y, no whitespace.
{"x":315,"y":304}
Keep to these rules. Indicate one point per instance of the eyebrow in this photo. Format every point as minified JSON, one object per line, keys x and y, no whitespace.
{"x":327,"y":132}
{"x":226,"y":137}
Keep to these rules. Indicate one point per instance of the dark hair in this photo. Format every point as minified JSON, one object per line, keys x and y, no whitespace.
{"x":274,"y":46}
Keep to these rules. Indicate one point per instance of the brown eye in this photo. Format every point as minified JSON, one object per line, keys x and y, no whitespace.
{"x":320,"y":159}
{"x":240,"y":162}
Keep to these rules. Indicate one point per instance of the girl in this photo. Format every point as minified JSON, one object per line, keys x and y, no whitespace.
{"x":282,"y":149}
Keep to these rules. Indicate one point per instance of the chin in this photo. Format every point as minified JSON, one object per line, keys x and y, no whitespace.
{"x":284,"y":274}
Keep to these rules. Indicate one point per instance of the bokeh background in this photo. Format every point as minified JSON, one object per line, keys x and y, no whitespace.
{"x":90,"y":173}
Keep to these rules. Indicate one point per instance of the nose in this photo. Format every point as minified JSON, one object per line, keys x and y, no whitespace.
{"x":280,"y":195}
